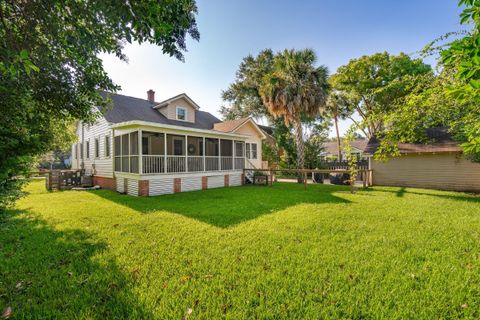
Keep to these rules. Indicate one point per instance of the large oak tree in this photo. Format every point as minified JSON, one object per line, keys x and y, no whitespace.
{"x":50,"y":72}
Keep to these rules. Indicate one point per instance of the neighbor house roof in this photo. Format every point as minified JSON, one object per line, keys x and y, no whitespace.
{"x":127,"y":108}
{"x":230,"y":125}
{"x":331,"y":147}
{"x":233,"y":125}
{"x":441,"y":141}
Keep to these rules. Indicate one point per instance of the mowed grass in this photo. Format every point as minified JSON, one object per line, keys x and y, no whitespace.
{"x":243,"y":252}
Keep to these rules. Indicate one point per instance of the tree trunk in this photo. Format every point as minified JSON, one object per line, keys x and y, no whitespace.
{"x":338,"y":139}
{"x":300,"y":148}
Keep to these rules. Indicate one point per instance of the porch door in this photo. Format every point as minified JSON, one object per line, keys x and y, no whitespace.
{"x":178,"y":147}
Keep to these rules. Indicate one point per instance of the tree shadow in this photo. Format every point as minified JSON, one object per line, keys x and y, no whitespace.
{"x":50,"y":274}
{"x":443,"y":194}
{"x":226,"y":207}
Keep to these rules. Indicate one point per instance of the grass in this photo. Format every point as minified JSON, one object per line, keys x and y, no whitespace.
{"x":243,"y":252}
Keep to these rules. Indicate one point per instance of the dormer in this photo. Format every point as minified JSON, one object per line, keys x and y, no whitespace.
{"x":179,"y":108}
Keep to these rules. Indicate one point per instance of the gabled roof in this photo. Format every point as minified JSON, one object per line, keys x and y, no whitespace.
{"x":127,"y":108}
{"x":165,"y":103}
{"x":441,"y":141}
{"x":230,"y":125}
{"x":233,"y":125}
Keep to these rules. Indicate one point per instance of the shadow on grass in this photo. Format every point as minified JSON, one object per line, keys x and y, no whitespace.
{"x":50,"y":274}
{"x":226,"y":207}
{"x":444,"y":194}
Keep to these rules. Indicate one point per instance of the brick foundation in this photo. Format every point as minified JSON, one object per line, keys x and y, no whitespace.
{"x":143,"y":187}
{"x":243,"y":178}
{"x":177,"y":185}
{"x":204,"y":183}
{"x":105,"y":183}
{"x":226,"y":179}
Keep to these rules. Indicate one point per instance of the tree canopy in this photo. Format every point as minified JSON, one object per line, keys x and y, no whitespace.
{"x":50,"y":72}
{"x":368,"y":86}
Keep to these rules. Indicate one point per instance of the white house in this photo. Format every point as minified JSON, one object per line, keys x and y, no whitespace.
{"x":142,"y":147}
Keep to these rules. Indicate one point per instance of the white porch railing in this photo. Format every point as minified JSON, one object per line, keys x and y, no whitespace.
{"x":211,"y":163}
{"x":176,"y":164}
{"x":153,"y":164}
{"x":239,"y":163}
{"x":227,"y":163}
{"x":156,"y":163}
{"x":195,"y":163}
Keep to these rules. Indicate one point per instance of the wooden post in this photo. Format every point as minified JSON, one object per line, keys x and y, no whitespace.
{"x":364,"y":173}
{"x":305,"y":180}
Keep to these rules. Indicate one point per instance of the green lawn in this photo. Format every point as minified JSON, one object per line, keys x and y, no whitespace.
{"x":243,"y":252}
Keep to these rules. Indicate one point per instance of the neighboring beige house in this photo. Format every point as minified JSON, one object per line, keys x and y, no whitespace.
{"x":437,"y":165}
{"x":330,"y":149}
{"x":142,"y":147}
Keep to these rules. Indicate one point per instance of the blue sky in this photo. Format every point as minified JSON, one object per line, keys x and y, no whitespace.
{"x":229,"y":30}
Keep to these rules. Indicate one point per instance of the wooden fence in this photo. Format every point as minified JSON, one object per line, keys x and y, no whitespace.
{"x":62,"y":179}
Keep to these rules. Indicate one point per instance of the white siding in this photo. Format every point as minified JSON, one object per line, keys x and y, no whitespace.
{"x":235,"y":180}
{"x":436,"y":171}
{"x":103,"y":164}
{"x":132,"y":187}
{"x":216,"y":181}
{"x":160,"y":186}
{"x":120,"y":184}
{"x":191,"y":183}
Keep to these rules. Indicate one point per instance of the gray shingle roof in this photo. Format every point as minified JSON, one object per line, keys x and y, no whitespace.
{"x":127,"y":108}
{"x":441,"y":141}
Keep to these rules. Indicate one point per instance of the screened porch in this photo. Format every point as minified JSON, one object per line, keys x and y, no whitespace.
{"x":148,"y":152}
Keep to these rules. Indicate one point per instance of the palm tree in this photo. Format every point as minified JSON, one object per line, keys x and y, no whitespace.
{"x":334,"y":110}
{"x":295,"y":89}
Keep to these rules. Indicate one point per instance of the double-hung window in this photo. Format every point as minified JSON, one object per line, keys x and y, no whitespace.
{"x":107,"y":146}
{"x":181,"y":113}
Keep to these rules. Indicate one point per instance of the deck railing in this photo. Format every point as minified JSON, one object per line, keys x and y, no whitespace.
{"x":195,"y":163}
{"x":174,"y":164}
{"x":211,"y":163}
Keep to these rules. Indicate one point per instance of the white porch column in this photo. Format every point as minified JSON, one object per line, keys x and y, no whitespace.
{"x":219,"y":156}
{"x":203,"y":152}
{"x":165,"y":152}
{"x":140,"y":152}
{"x":186,"y":153}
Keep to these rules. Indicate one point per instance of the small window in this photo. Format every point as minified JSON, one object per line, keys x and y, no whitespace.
{"x":254,"y":151}
{"x":181,"y":113}
{"x":87,"y":151}
{"x":97,"y":148}
{"x":107,"y":146}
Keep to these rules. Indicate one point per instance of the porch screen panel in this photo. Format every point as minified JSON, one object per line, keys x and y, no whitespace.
{"x":125,"y":150}
{"x":153,"y":150}
{"x":118,"y":153}
{"x":227,"y":154}
{"x":134,"y":152}
{"x":176,"y":160}
{"x":211,"y":154}
{"x":239,"y":149}
{"x":195,"y":153}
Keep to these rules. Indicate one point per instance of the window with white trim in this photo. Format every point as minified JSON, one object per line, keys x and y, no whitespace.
{"x":87,"y":149}
{"x":254,"y":151}
{"x":107,"y":146}
{"x":97,"y":148}
{"x":181,"y":113}
{"x":247,"y":150}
